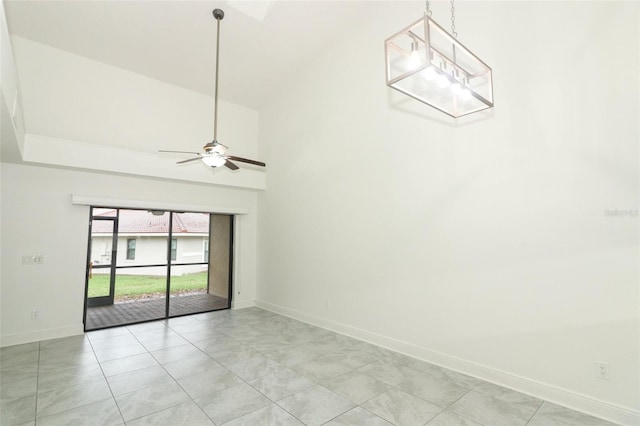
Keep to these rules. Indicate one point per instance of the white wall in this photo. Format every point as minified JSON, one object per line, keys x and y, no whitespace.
{"x":38,"y":217}
{"x":481,"y":245}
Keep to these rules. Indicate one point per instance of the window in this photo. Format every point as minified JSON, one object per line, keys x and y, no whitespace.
{"x":131,"y":248}
{"x":206,"y":251}
{"x":174,"y":248}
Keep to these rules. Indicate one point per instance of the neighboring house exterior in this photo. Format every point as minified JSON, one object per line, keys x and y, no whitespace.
{"x":143,"y":240}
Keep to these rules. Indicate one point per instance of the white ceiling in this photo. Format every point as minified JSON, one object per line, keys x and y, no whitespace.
{"x":262,"y":43}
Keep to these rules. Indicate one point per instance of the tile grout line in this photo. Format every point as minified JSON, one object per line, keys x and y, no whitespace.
{"x":178,"y":383}
{"x":223,"y":366}
{"x":290,"y":413}
{"x":374,"y":414}
{"x":162,"y":366}
{"x":272,"y":402}
{"x":321,"y":355}
{"x":113,"y":397}
{"x":535,"y":412}
{"x":462,"y":396}
{"x":89,"y":403}
{"x":240,"y":378}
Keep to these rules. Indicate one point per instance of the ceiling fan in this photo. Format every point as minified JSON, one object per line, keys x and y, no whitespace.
{"x":213,"y":154}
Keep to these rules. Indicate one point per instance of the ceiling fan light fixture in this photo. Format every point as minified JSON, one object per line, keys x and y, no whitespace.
{"x":214,"y":160}
{"x":219,"y":149}
{"x":215,"y":146}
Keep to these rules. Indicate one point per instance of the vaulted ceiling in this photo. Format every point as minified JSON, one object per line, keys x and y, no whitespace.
{"x":263,"y":43}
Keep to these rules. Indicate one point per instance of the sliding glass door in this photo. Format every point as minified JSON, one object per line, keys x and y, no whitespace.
{"x":201,"y":268}
{"x":159,"y":264}
{"x":189,"y":268}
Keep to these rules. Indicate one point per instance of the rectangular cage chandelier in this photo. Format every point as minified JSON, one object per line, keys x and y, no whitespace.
{"x":429,"y":64}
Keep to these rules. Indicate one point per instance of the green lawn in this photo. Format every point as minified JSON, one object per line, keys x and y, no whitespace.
{"x":135,"y":285}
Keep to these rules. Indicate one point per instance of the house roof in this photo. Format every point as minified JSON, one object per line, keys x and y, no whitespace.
{"x":145,"y":222}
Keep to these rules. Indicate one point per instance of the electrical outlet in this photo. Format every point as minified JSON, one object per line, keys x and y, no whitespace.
{"x":35,"y":314}
{"x":602,"y":370}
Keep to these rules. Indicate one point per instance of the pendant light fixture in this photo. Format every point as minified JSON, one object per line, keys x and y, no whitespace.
{"x":429,"y":64}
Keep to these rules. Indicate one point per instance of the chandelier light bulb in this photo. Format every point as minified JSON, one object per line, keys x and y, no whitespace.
{"x":430,"y":73}
{"x":414,"y":60}
{"x":414,"y":57}
{"x":443,"y":81}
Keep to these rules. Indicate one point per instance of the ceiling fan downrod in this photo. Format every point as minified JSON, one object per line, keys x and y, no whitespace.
{"x":219,"y":15}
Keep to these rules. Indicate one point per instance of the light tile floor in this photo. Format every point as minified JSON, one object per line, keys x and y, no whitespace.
{"x":247,"y":367}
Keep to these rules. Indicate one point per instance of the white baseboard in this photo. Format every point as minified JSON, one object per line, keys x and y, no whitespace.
{"x":547,"y":392}
{"x":240,"y":304}
{"x":38,"y":335}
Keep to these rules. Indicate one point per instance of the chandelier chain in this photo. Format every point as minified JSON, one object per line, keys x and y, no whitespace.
{"x":453,"y":20}
{"x":428,"y":8}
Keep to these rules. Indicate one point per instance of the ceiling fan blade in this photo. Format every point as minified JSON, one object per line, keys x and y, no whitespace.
{"x":230,"y":165}
{"x":181,"y":152}
{"x":189,"y":160}
{"x":246,"y":160}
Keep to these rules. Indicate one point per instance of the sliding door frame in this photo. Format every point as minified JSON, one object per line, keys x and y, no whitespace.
{"x":108,"y":299}
{"x":169,"y":263}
